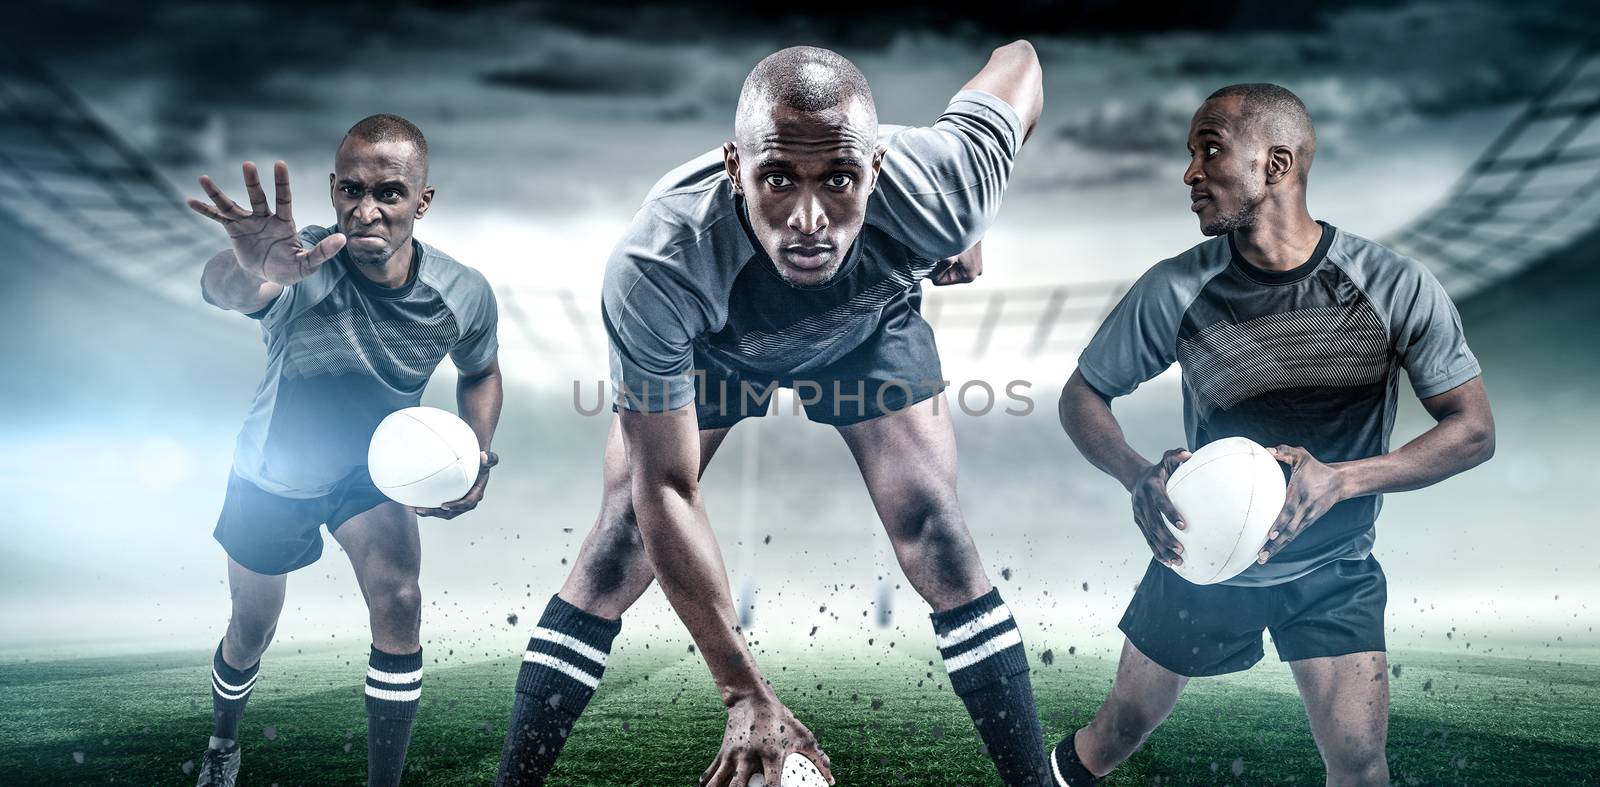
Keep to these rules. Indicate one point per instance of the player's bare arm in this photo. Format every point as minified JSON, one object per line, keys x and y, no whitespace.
{"x":1013,"y":74}
{"x":664,"y":463}
{"x":479,"y":395}
{"x":1087,"y":418}
{"x":266,"y":255}
{"x":1461,"y":438}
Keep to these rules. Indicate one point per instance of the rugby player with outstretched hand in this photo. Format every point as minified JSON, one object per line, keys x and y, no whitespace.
{"x":355,"y":318}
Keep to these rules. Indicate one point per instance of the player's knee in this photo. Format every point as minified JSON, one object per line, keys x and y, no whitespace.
{"x":249,"y":638}
{"x":932,"y":537}
{"x":407,"y":599}
{"x":399,"y":603}
{"x":1356,"y":755}
{"x":930,"y":522}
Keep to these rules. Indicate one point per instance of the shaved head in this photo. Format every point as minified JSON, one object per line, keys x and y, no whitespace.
{"x":385,"y":127}
{"x":807,"y":79}
{"x":1278,"y":117}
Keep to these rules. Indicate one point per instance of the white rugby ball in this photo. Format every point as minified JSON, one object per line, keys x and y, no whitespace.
{"x":1228,"y":493}
{"x":423,"y":457}
{"x":798,"y":771}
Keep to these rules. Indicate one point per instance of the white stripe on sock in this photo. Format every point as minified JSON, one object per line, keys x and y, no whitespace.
{"x":972,"y":628}
{"x":227,"y":696}
{"x":582,"y":648}
{"x":546,"y":660}
{"x":987,"y":649}
{"x":394,"y":696}
{"x":394,"y":677}
{"x":224,"y":687}
{"x":1055,"y":770}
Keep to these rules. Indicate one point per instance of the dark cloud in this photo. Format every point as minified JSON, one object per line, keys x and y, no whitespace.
{"x":682,"y":112}
{"x":855,"y":24}
{"x":1367,"y":67}
{"x":1111,"y":175}
{"x":569,"y":91}
{"x":249,"y":36}
{"x":593,"y":70}
{"x":1155,"y":126}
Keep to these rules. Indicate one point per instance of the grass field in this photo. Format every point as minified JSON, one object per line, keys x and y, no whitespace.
{"x":885,"y":720}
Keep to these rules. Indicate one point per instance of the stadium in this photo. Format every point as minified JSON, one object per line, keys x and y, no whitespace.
{"x":125,"y":391}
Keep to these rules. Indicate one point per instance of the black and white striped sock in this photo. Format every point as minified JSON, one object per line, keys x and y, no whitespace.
{"x":230,"y":690}
{"x":982,"y":651}
{"x":394,"y":689}
{"x":560,"y":672}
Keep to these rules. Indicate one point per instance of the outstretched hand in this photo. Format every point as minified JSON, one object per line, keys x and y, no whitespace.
{"x":265,"y":243}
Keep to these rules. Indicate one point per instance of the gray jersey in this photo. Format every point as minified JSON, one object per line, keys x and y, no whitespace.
{"x":688,"y":274}
{"x":343,"y":352}
{"x":1307,"y":357}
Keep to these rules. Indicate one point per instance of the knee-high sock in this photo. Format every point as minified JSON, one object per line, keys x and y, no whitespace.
{"x":982,"y":651}
{"x":230,"y":690}
{"x":560,"y":671}
{"x":394,"y":688}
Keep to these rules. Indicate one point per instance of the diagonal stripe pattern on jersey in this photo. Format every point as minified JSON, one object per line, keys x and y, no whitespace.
{"x":814,"y":334}
{"x":1326,"y":346}
{"x":334,"y":343}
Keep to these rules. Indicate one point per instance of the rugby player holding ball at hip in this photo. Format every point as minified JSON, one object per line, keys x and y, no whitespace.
{"x":1292,"y":333}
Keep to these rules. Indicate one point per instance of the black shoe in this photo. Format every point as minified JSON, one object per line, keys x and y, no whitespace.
{"x":219,"y":767}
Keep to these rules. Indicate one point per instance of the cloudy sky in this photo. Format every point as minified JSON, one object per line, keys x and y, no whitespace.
{"x":548,"y":123}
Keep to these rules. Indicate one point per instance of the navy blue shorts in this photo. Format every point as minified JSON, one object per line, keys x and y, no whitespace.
{"x":269,"y":534}
{"x":1199,"y":630}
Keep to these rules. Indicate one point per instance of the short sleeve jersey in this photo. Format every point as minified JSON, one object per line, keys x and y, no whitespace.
{"x":1308,"y":357}
{"x":343,"y":352}
{"x":689,"y":277}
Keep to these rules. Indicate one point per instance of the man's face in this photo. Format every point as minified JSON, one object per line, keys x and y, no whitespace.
{"x":805,"y":177}
{"x":1227,"y":168}
{"x":379,"y":191}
